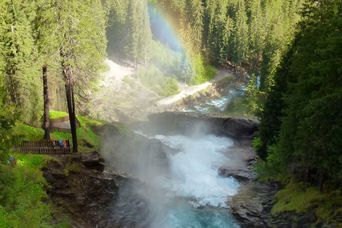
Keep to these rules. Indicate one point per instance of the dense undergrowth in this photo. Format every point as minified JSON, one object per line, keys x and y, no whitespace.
{"x":301,"y":198}
{"x":23,"y":200}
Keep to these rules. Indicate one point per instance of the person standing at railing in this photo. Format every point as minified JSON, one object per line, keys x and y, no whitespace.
{"x":65,"y":146}
{"x":60,"y":143}
{"x":12,"y":161}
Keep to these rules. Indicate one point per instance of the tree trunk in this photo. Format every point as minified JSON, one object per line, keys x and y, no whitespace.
{"x":46,"y":118}
{"x":321,"y":181}
{"x":12,"y":88}
{"x":71,"y":106}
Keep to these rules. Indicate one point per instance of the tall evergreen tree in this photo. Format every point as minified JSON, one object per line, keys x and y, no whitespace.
{"x":308,"y":122}
{"x":81,"y":48}
{"x":240,"y":31}
{"x":21,"y":77}
{"x":45,"y":35}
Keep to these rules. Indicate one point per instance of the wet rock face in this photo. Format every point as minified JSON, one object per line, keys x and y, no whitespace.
{"x":93,"y":161}
{"x":187,"y":123}
{"x":241,"y":175}
{"x":81,"y":190}
{"x":131,"y":153}
{"x":252,"y":205}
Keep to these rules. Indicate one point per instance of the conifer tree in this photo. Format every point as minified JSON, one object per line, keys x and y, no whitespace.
{"x":21,"y":77}
{"x":45,"y":29}
{"x":240,"y":33}
{"x":82,"y":46}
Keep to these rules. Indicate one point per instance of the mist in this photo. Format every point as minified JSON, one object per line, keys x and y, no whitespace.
{"x":171,"y":172}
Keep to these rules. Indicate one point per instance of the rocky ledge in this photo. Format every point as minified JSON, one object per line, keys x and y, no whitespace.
{"x":188,"y":123}
{"x":253,"y":204}
{"x":81,"y":190}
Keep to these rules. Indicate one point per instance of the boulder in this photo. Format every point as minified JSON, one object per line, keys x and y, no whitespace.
{"x":253,"y":203}
{"x":93,"y":160}
{"x":242,"y":175}
{"x":81,"y":190}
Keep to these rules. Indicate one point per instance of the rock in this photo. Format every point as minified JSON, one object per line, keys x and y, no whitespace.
{"x":93,"y":161}
{"x":188,"y":123}
{"x":253,"y":203}
{"x":86,"y":196}
{"x":239,"y":174}
{"x":124,"y":151}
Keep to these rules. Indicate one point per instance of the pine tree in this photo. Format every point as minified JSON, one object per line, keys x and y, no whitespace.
{"x":21,"y":77}
{"x":256,"y":33}
{"x":82,"y":45}
{"x":240,"y":33}
{"x":45,"y":29}
{"x":307,"y":123}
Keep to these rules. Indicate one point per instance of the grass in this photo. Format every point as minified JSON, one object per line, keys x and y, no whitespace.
{"x":299,"y":198}
{"x":85,"y":133}
{"x":26,"y":132}
{"x":23,"y":200}
{"x":57,"y":114}
{"x":206,"y":73}
{"x":296,"y":197}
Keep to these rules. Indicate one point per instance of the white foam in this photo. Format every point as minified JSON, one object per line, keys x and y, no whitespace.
{"x":194,"y":169}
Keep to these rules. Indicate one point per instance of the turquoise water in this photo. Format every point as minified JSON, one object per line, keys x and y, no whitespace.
{"x":184,"y":215}
{"x":190,"y":194}
{"x":200,"y":194}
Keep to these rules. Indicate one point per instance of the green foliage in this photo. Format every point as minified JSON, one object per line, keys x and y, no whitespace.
{"x":85,"y":132}
{"x":301,"y":117}
{"x":21,"y":82}
{"x":27,"y":132}
{"x":7,"y":120}
{"x":57,"y":114}
{"x":239,"y":106}
{"x":274,"y":169}
{"x":252,"y":34}
{"x":32,"y":34}
{"x":22,"y":194}
{"x":166,"y":60}
{"x":154,"y":79}
{"x":254,"y":95}
{"x":297,"y":197}
{"x":130,"y":34}
{"x":202,"y":73}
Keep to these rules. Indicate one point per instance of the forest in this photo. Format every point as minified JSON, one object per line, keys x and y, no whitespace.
{"x":286,"y":52}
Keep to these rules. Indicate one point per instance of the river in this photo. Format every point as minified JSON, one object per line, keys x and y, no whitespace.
{"x":182,"y":188}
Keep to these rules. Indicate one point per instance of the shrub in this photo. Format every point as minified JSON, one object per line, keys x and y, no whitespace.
{"x":7,"y":120}
{"x":22,"y":194}
{"x":202,"y":72}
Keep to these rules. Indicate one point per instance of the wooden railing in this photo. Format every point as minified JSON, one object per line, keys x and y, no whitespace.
{"x":44,"y":147}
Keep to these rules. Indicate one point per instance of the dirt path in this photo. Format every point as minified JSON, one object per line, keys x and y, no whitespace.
{"x":187,"y":91}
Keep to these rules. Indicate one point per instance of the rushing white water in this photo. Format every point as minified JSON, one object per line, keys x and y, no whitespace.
{"x":115,"y":74}
{"x":192,"y":194}
{"x":194,"y":169}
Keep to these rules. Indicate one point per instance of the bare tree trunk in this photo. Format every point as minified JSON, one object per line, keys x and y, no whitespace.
{"x":46,"y":118}
{"x":12,"y":86}
{"x":71,"y":106}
